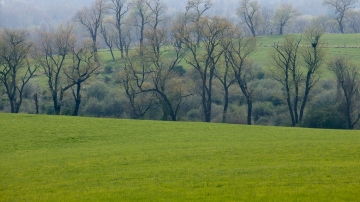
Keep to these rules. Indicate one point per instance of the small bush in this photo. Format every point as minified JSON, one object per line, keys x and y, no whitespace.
{"x":108,"y":69}
{"x":326,"y":117}
{"x":262,"y":109}
{"x":98,"y":91}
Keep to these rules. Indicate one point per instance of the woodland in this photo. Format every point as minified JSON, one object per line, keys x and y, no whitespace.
{"x":152,"y":59}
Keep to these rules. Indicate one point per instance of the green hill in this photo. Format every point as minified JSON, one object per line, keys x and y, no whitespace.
{"x":336,"y":45}
{"x":59,"y":158}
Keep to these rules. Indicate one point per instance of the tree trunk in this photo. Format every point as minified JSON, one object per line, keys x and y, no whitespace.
{"x":56,"y":104}
{"x":12,"y":104}
{"x":112,"y":54}
{"x":226,"y":103}
{"x":206,"y":99}
{"x":249,"y":112}
{"x":77,"y":97}
{"x":96,"y":59}
{"x":121,"y":44}
{"x":36,"y":99}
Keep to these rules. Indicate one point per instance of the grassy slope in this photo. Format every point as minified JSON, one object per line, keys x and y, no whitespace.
{"x":334,"y":41}
{"x":261,"y":54}
{"x":54,"y":158}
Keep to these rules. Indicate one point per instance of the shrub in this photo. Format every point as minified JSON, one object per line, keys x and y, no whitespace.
{"x":194,"y":115}
{"x":108,"y":69}
{"x":262,"y":109}
{"x":326,"y":117}
{"x":114,"y":108}
{"x":98,"y":91}
{"x":93,"y":108}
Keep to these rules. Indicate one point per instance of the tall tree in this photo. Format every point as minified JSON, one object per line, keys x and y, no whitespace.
{"x":195,"y":9}
{"x":237,"y":54}
{"x":213,"y":31}
{"x":52,"y":49}
{"x":139,"y":102}
{"x":267,"y":26}
{"x":109,"y":35}
{"x":159,"y":75}
{"x":286,"y":71}
{"x":223,"y":74}
{"x":353,"y":21}
{"x":120,"y":9}
{"x":249,"y":12}
{"x":15,"y":69}
{"x":223,"y":71}
{"x":348,"y":78}
{"x":157,"y":8}
{"x":283,"y":15}
{"x":313,"y":55}
{"x":340,"y":7}
{"x":141,"y":18}
{"x":298,"y":81}
{"x":80,"y":68}
{"x":91,"y":18}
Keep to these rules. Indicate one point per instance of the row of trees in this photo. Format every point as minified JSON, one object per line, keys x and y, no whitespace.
{"x":57,"y":54}
{"x":123,"y":22}
{"x":215,"y":51}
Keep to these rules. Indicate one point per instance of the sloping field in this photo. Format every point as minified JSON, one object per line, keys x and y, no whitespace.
{"x":57,"y":158}
{"x":336,"y":45}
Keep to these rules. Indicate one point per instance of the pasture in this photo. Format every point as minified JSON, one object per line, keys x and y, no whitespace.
{"x":60,"y":158}
{"x":335,"y":45}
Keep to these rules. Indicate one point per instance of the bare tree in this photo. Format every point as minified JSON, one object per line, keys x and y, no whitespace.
{"x":320,"y":22}
{"x":348,"y":78}
{"x":227,"y":80}
{"x":340,"y":7}
{"x":139,"y":102}
{"x":297,"y":81}
{"x":81,"y":67}
{"x":120,"y":8}
{"x":109,"y":36}
{"x":195,"y":9}
{"x":156,"y":73}
{"x":353,"y":21}
{"x":91,"y":18}
{"x":127,"y":39}
{"x":249,"y":12}
{"x":212,"y":31}
{"x":52,"y":49}
{"x":142,"y":17}
{"x":266,"y":27}
{"x":157,"y":8}
{"x":286,"y":71}
{"x":237,"y":55}
{"x":283,"y":15}
{"x":313,"y":55}
{"x":15,"y":69}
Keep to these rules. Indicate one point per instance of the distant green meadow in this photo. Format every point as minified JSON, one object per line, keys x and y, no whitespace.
{"x":60,"y":158}
{"x":336,"y":45}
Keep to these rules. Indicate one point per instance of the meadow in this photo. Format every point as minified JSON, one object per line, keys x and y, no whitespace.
{"x":335,"y":45}
{"x":61,"y":158}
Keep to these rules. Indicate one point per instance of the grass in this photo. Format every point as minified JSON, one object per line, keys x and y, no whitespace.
{"x":58,"y":158}
{"x":337,"y":45}
{"x":261,"y":55}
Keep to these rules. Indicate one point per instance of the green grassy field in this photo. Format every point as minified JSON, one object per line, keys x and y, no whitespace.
{"x":336,"y":45}
{"x":58,"y":158}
